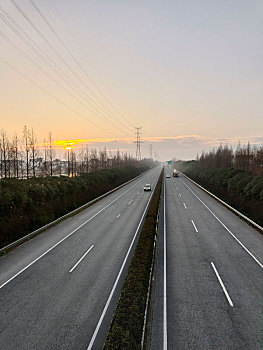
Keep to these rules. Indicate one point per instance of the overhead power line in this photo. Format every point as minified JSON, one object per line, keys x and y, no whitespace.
{"x":50,"y":94}
{"x":40,"y":68}
{"x":31,"y":60}
{"x":75,"y":60}
{"x":8,"y":20}
{"x":81,"y":46}
{"x":95,"y":104}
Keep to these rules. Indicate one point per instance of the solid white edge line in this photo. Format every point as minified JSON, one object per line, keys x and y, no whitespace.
{"x":117,"y":278}
{"x":83,"y":256}
{"x":194,"y":226}
{"x":242,"y":245}
{"x":164,"y":277}
{"x":222,"y":285}
{"x":185,"y":205}
{"x":63,"y":239}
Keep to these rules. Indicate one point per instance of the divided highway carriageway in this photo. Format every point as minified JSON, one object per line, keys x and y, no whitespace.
{"x":59,"y":290}
{"x":209,"y":274}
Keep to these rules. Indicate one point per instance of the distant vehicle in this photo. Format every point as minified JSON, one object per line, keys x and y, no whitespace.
{"x":168,"y":176}
{"x":175,"y":173}
{"x":147,"y":187}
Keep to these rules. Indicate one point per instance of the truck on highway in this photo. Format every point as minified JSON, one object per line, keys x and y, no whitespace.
{"x":175,"y":173}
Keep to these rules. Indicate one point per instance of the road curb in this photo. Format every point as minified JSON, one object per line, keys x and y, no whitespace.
{"x":251,"y":222}
{"x":42,"y":229}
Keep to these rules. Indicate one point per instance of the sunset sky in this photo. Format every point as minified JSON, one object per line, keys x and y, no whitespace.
{"x":190,"y":73}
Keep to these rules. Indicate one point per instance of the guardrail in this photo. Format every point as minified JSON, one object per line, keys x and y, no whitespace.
{"x":35,"y":233}
{"x":226,"y":205}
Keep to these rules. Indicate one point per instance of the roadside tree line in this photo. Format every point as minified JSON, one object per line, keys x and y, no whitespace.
{"x":245,"y":157}
{"x":234,"y":176}
{"x":26,"y":157}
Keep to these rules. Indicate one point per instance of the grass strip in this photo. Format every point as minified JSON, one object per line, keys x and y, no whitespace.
{"x":128,"y":320}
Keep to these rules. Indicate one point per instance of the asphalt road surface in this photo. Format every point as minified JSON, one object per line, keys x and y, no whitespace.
{"x":209,"y":274}
{"x":59,"y":290}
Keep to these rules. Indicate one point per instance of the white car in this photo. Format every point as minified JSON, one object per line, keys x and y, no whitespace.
{"x":168,"y":176}
{"x":147,"y":187}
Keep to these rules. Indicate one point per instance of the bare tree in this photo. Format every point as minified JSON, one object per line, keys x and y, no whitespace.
{"x":1,"y":159}
{"x":51,"y":154}
{"x":4,"y":154}
{"x":26,"y":139}
{"x":21,"y":157}
{"x":94,"y":162}
{"x":103,"y":158}
{"x":117,"y":159}
{"x":86,"y":159}
{"x":45,"y":162}
{"x":15,"y":151}
{"x":33,"y":150}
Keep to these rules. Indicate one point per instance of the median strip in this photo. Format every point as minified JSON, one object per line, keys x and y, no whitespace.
{"x":128,"y":325}
{"x":164,"y":275}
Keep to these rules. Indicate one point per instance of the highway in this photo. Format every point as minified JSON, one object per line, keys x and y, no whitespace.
{"x":208,"y":290}
{"x":59,"y":290}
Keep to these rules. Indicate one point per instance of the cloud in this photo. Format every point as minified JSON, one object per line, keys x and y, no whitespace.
{"x":164,"y":148}
{"x":188,"y":146}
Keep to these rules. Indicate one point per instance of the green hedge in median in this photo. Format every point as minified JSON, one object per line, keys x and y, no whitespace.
{"x":127,"y":325}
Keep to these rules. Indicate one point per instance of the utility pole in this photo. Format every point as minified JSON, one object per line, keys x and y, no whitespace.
{"x":138,"y":143}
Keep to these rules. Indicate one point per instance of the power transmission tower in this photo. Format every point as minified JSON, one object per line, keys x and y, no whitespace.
{"x":138,"y":143}
{"x":151,"y":151}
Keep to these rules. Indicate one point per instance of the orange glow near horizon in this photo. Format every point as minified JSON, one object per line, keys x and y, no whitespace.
{"x":77,"y":143}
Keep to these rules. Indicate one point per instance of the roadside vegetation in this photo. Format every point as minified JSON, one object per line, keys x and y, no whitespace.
{"x":128,"y":321}
{"x":26,"y":157}
{"x":235,"y":177}
{"x":27,"y":204}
